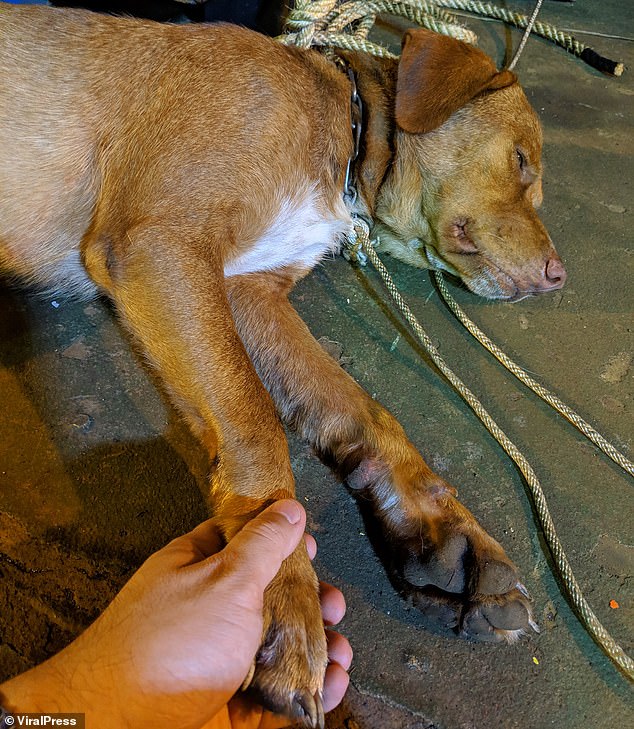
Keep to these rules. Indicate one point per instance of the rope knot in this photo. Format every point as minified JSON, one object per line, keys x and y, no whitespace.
{"x":356,"y":241}
{"x":307,"y":20}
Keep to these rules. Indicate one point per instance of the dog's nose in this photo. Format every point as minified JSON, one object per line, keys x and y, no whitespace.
{"x":555,"y":273}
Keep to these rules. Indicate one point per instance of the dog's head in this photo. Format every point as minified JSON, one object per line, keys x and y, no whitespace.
{"x":465,"y":183}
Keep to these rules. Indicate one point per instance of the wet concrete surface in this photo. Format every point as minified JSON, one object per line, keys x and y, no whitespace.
{"x":96,"y":471}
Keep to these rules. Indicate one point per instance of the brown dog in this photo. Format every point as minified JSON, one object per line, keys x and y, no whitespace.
{"x":193,"y":174}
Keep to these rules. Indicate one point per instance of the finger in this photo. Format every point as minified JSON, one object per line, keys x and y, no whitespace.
{"x":203,"y":541}
{"x":335,"y":686}
{"x":259,"y":548}
{"x":272,"y":721}
{"x":333,"y":603}
{"x":206,"y":538}
{"x":311,"y":545}
{"x":339,"y":650}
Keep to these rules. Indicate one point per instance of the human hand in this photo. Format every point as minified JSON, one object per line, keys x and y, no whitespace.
{"x":177,"y":642}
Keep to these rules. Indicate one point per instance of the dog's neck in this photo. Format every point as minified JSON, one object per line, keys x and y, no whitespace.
{"x":375,"y":168}
{"x":376,"y":82}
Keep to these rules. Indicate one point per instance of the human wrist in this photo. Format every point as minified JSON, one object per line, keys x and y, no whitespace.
{"x":63,"y":684}
{"x":34,"y":691}
{"x":4,"y":713}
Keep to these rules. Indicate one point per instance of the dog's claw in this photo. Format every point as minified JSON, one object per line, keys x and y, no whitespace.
{"x":534,"y":625}
{"x":248,"y":678}
{"x":321,"y":717}
{"x":523,"y":590}
{"x":309,"y":708}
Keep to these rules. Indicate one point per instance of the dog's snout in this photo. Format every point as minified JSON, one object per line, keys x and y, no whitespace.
{"x":555,"y":273}
{"x":550,"y":278}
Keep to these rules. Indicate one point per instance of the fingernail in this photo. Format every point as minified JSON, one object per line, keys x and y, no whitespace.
{"x":289,"y":509}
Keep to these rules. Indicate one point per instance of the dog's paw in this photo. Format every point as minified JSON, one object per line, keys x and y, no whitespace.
{"x":466,"y":588}
{"x":289,"y":668}
{"x":456,"y":574}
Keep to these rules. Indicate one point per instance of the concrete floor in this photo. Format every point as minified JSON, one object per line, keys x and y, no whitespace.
{"x":96,"y":472}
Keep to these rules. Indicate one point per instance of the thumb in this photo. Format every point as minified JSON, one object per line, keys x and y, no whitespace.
{"x":261,"y":546}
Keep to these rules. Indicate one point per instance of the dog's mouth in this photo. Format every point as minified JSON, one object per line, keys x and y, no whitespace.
{"x":461,"y":238}
{"x":461,"y":253}
{"x":488,"y":264}
{"x":455,"y":250}
{"x":486,"y":283}
{"x":488,"y":280}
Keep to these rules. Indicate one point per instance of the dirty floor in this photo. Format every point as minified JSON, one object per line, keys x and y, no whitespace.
{"x":96,"y":471}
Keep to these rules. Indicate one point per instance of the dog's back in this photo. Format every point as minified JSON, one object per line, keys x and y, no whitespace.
{"x":84,"y":96}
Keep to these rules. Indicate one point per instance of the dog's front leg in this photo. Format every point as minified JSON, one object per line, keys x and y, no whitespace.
{"x":171,"y":296}
{"x":456,"y":572}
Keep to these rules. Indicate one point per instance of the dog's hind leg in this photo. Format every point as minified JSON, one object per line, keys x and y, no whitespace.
{"x":455,"y":571}
{"x":170,"y":294}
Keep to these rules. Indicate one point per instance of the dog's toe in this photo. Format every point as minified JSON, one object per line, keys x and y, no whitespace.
{"x":504,"y":619}
{"x":496,"y":577}
{"x":309,"y":708}
{"x":291,"y":663}
{"x":442,"y":568}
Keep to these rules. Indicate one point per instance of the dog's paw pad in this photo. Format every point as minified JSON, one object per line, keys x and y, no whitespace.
{"x":503,"y":619}
{"x":496,"y":577}
{"x":443,"y":567}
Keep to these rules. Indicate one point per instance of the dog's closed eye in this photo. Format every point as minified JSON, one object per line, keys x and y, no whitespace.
{"x":521,"y":159}
{"x":528,"y":174}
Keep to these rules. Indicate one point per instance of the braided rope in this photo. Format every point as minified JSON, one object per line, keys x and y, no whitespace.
{"x":549,"y":397}
{"x":333,"y":24}
{"x":518,"y":19}
{"x":348,"y":12}
{"x":330,"y":23}
{"x":527,"y":31}
{"x":585,"y":612}
{"x":308,"y":18}
{"x":545,"y":30}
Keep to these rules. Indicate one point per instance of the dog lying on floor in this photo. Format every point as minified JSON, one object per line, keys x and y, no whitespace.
{"x":193,"y":174}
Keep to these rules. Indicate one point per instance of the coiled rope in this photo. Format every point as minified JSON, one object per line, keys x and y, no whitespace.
{"x":318,"y":23}
{"x":330,"y":24}
{"x":346,"y":25}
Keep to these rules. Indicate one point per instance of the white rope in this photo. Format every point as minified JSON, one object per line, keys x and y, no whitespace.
{"x":548,"y":397}
{"x":527,"y":32}
{"x":583,"y":609}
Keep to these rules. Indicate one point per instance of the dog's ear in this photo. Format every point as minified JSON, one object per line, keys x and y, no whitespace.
{"x":437,"y":75}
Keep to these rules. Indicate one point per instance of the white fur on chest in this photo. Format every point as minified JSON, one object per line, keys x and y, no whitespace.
{"x":301,"y":234}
